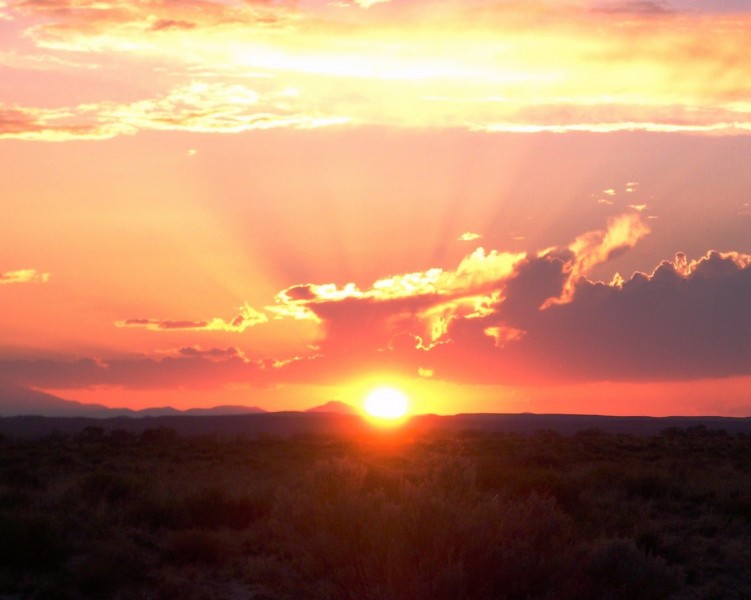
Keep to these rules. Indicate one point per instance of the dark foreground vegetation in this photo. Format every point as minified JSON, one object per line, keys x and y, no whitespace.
{"x":114,"y":514}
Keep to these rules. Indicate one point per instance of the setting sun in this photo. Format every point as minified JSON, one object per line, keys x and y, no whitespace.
{"x":385,"y":403}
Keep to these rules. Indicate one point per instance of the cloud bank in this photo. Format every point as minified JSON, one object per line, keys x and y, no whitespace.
{"x":497,"y":318}
{"x":211,"y":66}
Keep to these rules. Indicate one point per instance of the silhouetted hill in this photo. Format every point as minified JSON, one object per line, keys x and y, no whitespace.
{"x":16,"y":400}
{"x":19,"y":401}
{"x":334,"y":406}
{"x":225,"y":409}
{"x":295,"y":423}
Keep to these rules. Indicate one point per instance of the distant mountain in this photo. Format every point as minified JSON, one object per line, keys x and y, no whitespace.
{"x":334,"y":406}
{"x":292,"y":423}
{"x":225,"y":410}
{"x":16,"y":400}
{"x":20,"y":401}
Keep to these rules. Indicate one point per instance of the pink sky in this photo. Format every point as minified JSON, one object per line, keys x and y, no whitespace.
{"x":494,"y":206}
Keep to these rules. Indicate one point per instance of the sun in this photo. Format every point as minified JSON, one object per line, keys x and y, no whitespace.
{"x":386,"y":404}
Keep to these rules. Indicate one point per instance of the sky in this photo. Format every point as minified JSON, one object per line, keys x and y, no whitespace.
{"x":492,"y":205}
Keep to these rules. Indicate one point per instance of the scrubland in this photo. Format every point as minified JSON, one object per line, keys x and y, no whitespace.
{"x":470,"y":515}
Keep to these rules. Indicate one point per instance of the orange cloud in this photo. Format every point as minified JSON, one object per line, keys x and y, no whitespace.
{"x":421,"y":303}
{"x":596,"y":247}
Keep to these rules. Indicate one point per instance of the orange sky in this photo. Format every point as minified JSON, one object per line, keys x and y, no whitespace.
{"x":496,"y":206}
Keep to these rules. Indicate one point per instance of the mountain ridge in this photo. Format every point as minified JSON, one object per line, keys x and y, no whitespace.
{"x":334,"y":406}
{"x":19,"y":401}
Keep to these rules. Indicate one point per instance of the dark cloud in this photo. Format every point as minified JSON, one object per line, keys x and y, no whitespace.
{"x":534,"y":282}
{"x":189,"y":371}
{"x":299,"y":292}
{"x":167,"y":324}
{"x":353,"y":323}
{"x":684,"y":321}
{"x":219,"y":353}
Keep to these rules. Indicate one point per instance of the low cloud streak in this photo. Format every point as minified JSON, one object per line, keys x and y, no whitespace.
{"x":247,"y":317}
{"x":23,"y":276}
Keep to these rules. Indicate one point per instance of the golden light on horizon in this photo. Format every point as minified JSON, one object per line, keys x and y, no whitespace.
{"x":386,"y":405}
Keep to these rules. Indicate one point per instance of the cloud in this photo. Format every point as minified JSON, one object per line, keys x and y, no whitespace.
{"x":248,"y":317}
{"x":358,"y":3}
{"x":469,"y":236}
{"x":23,"y":276}
{"x":545,"y":321}
{"x":162,"y":24}
{"x":196,"y":107}
{"x":185,"y":370}
{"x":369,"y":3}
{"x":634,"y":7}
{"x":496,"y":318}
{"x":488,"y":66}
{"x":212,"y":353}
{"x":685,"y":320}
{"x":47,"y":125}
{"x":596,"y":247}
{"x":420,"y":303}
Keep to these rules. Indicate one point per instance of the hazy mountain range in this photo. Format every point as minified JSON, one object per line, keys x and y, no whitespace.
{"x":19,"y":401}
{"x":29,"y":413}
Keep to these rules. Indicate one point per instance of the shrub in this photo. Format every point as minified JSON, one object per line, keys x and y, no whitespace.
{"x":197,"y":546}
{"x":616,"y":569}
{"x":110,"y":566}
{"x":31,"y":541}
{"x":437,"y":536}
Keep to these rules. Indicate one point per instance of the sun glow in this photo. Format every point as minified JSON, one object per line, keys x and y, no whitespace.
{"x":386,"y":404}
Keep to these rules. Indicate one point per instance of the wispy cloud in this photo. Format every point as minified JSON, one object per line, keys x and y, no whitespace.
{"x":248,"y":317}
{"x":212,"y":353}
{"x":633,"y":7}
{"x":23,"y":276}
{"x":358,"y":3}
{"x":196,"y":107}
